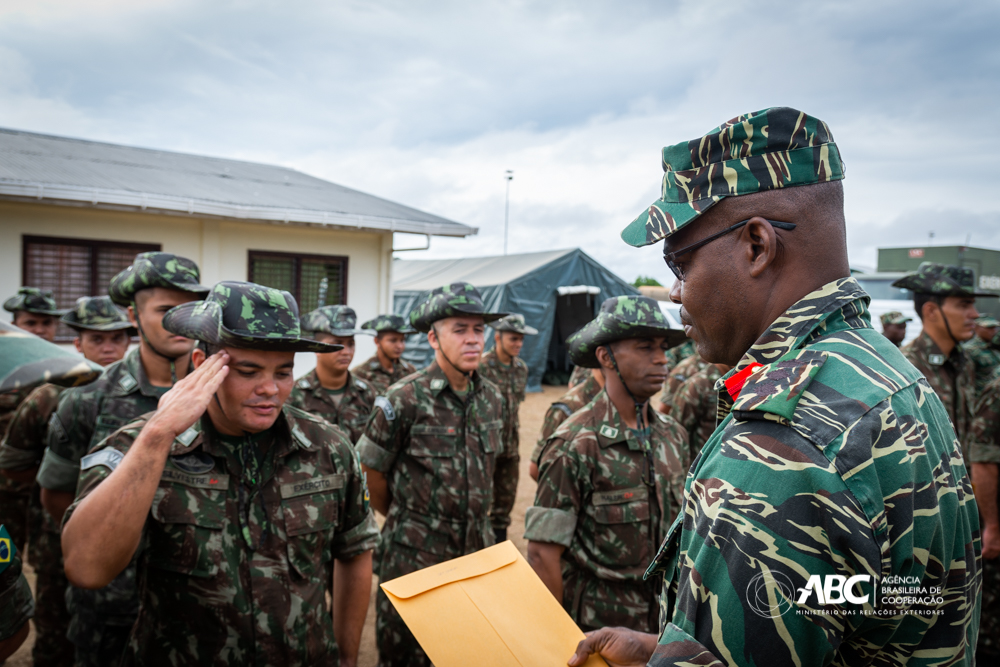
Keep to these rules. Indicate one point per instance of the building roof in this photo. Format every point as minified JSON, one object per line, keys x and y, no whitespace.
{"x":418,"y":275}
{"x":59,"y":170}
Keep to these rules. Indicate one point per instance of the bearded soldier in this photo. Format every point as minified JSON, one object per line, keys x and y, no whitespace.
{"x":503,"y":367}
{"x":612,"y":477}
{"x":330,"y":390}
{"x":234,"y":504}
{"x":387,"y":366}
{"x":429,"y":451}
{"x":835,"y":458}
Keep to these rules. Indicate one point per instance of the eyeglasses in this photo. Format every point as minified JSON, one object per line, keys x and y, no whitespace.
{"x":671,"y":257}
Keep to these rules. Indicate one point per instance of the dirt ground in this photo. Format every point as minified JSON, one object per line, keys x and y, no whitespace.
{"x":532,"y":413}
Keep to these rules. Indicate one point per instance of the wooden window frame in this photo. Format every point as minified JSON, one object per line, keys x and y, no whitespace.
{"x":297,"y":258}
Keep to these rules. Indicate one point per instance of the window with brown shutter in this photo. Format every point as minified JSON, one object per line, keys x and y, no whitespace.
{"x":302,"y":275}
{"x":72,"y":268}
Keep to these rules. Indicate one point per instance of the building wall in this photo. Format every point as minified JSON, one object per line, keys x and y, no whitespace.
{"x":220,"y":247}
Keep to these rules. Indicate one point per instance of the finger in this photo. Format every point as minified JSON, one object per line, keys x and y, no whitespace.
{"x":584,"y":649}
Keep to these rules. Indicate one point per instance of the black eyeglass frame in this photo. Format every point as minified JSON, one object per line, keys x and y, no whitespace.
{"x":671,"y":257}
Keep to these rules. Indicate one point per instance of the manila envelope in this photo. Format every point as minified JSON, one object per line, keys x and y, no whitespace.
{"x":488,"y":608}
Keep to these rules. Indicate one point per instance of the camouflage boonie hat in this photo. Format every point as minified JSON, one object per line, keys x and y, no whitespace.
{"x":621,"y":318}
{"x":334,"y":320}
{"x":987,"y":322}
{"x":764,"y":150}
{"x":97,"y":313}
{"x":941,"y":280}
{"x":388,"y":323}
{"x":454,"y":300}
{"x":33,"y":300}
{"x":156,"y":269}
{"x":894,"y":317}
{"x":514,"y":322}
{"x":27,"y":360}
{"x":244,"y":315}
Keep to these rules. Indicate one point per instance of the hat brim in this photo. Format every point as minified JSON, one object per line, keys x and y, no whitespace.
{"x":423,"y":324}
{"x":342,"y":332}
{"x":584,"y":343}
{"x":26,"y":360}
{"x":663,"y":219}
{"x":70,"y":320}
{"x":204,"y":325}
{"x":525,"y":330}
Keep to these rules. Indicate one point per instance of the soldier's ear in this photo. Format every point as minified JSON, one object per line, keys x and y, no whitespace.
{"x":198,"y":356}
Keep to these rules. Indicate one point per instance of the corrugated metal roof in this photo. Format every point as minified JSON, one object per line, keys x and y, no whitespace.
{"x":417,"y":275}
{"x":61,"y":170}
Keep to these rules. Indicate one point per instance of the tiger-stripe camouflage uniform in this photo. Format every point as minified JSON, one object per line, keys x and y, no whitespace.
{"x":560,"y":411}
{"x":372,"y":372}
{"x":593,"y":499}
{"x":22,"y":449}
{"x":350,"y":412}
{"x":695,"y":407}
{"x":985,"y":449}
{"x":511,"y":380}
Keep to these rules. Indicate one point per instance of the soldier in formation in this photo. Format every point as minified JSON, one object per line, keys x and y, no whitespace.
{"x":17,"y":606}
{"x":894,"y":326}
{"x":984,"y":456}
{"x":155,"y":282}
{"x":612,"y":476}
{"x":983,"y":349}
{"x":103,"y":333}
{"x":790,"y":485}
{"x":695,"y":405}
{"x":945,"y":300}
{"x":231,"y":502}
{"x":429,"y":452}
{"x":387,"y":366}
{"x":330,"y":390}
{"x":504,"y":367}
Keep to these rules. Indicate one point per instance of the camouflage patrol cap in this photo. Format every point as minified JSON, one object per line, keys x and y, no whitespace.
{"x":987,"y":322}
{"x":454,"y":300}
{"x":388,"y":323}
{"x":27,"y":360}
{"x":156,"y":269}
{"x":97,"y":313}
{"x":244,"y":315}
{"x":764,"y":150}
{"x":621,"y":318}
{"x":33,"y":300}
{"x":894,"y":317}
{"x":334,"y":320}
{"x":941,"y":280}
{"x":514,"y":322}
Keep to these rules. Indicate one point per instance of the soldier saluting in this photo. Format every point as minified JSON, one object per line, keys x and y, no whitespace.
{"x":429,"y":452}
{"x":235,"y":503}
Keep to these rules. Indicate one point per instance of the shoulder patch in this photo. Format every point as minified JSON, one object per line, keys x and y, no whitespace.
{"x":777,"y":388}
{"x":935,"y":359}
{"x":109,"y":458}
{"x":300,"y":436}
{"x":303,"y":383}
{"x":609,"y":431}
{"x":188,"y":436}
{"x":563,"y":408}
{"x":360,"y":384}
{"x":127,"y":382}
{"x":437,"y":383}
{"x":383,"y":404}
{"x":7,"y":549}
{"x":193,"y":463}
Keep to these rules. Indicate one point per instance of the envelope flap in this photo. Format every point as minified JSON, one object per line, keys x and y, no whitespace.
{"x":465,"y":567}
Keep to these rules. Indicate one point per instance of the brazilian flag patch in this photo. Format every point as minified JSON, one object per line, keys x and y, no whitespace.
{"x":7,"y":549}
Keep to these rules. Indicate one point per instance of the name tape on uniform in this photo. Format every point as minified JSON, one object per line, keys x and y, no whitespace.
{"x":314,"y":485}
{"x":209,"y":481}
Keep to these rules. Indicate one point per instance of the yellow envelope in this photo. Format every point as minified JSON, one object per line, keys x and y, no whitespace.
{"x":488,"y":608}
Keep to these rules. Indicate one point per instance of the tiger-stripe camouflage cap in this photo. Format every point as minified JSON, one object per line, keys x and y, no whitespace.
{"x":621,"y":318}
{"x":156,"y":269}
{"x":764,"y":150}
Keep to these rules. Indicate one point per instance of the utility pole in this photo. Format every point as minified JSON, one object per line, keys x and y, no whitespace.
{"x":506,"y":210}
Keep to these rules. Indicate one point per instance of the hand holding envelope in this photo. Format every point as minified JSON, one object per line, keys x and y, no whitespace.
{"x":488,"y":608}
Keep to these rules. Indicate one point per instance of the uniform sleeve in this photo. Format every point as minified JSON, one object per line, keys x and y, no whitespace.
{"x":16,"y":604}
{"x":69,"y":432}
{"x":384,"y":434}
{"x":685,"y":404}
{"x":563,"y":482}
{"x":296,"y":398}
{"x":24,"y":444}
{"x":554,"y":416}
{"x":96,"y":466}
{"x":985,"y":445}
{"x":358,"y":532}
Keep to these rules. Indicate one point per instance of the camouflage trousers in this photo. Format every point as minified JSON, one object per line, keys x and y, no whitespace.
{"x":989,"y":621}
{"x":397,"y":647}
{"x":98,"y":644}
{"x":14,"y":513}
{"x":596,"y":603}
{"x":52,"y":648}
{"x":505,"y":476}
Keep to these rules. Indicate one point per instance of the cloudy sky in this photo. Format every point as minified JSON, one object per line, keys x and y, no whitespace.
{"x":428,"y":103}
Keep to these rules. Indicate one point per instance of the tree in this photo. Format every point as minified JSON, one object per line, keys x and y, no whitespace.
{"x":646,"y":281}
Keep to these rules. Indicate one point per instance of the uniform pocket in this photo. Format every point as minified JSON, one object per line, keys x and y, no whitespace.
{"x":429,"y":440}
{"x":186,"y":534}
{"x":622,"y":518}
{"x":491,"y":435}
{"x":310,"y":521}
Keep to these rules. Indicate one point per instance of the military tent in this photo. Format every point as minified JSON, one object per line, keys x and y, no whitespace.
{"x":557,"y":291}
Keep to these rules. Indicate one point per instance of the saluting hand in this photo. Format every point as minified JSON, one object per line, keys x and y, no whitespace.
{"x":620,"y":647}
{"x":187,"y":400}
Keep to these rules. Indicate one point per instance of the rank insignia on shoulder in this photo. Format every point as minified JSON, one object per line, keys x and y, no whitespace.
{"x":360,"y":384}
{"x":7,"y":549}
{"x":437,"y":383}
{"x":609,"y":432}
{"x":127,"y":382}
{"x":304,"y":383}
{"x":109,"y":458}
{"x":385,"y":406}
{"x":935,"y":359}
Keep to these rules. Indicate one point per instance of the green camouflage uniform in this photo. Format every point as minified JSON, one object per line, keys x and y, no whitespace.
{"x":680,"y":353}
{"x":594,"y":498}
{"x":835,"y":457}
{"x":578,"y":376}
{"x":560,"y":411}
{"x":437,"y":451}
{"x":695,"y":407}
{"x":16,"y":604}
{"x":985,"y":448}
{"x":985,"y":357}
{"x":679,"y":374}
{"x":371,"y":370}
{"x":350,"y":413}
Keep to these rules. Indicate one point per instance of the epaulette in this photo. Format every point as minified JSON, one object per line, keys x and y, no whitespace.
{"x":773,"y":391}
{"x":299,"y":413}
{"x":360,"y":384}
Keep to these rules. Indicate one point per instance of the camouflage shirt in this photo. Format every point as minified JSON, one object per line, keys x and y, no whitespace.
{"x":695,"y":406}
{"x":511,"y":381}
{"x":350,"y":413}
{"x":437,"y":452}
{"x":952,"y":378}
{"x":206,"y":596}
{"x":985,"y":357}
{"x":371,"y":371}
{"x":594,"y":498}
{"x":24,"y":444}
{"x":579,"y":375}
{"x":9,"y":401}
{"x":836,"y":458}
{"x":16,"y":604}
{"x":558,"y":412}
{"x":676,"y":355}
{"x":679,"y":374}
